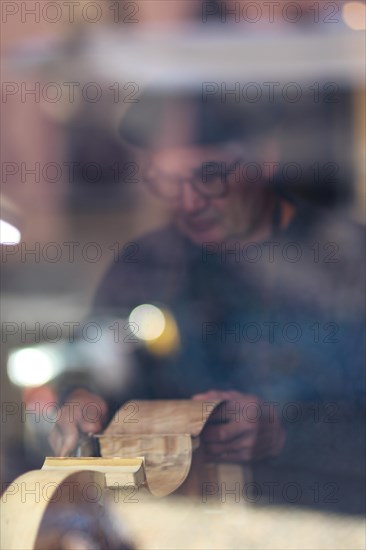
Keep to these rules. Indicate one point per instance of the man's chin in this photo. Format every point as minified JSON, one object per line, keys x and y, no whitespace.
{"x":201,"y":235}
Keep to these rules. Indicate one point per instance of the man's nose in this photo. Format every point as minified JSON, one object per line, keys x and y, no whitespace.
{"x":191,"y":200}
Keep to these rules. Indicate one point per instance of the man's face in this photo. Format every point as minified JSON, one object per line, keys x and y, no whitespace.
{"x":207,"y":191}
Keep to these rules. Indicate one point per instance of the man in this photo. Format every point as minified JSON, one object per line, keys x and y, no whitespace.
{"x":264,"y":289}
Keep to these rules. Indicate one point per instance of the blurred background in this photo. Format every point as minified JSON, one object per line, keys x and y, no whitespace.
{"x":73,"y":195}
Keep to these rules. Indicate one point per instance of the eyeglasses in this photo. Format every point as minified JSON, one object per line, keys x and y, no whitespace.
{"x":209,"y":181}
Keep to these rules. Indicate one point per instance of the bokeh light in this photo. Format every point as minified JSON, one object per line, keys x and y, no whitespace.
{"x":32,"y":366}
{"x":8,"y":233}
{"x":150,"y":321}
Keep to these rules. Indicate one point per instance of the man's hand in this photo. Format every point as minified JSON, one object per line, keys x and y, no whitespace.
{"x":82,"y":413}
{"x":247,"y":431}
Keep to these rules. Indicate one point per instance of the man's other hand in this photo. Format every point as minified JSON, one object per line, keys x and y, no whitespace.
{"x":242,"y":429}
{"x":82,"y":413}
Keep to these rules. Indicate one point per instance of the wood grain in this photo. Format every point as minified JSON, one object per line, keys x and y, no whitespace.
{"x":183,"y":416}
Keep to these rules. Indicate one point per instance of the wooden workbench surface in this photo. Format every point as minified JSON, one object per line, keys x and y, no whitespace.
{"x":178,"y":523}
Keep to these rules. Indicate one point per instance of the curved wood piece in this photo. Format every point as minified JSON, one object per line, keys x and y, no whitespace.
{"x":167,"y":458}
{"x":34,"y":503}
{"x":151,"y":448}
{"x":119,"y":472}
{"x":164,"y":432}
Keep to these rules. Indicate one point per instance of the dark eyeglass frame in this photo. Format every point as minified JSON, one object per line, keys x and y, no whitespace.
{"x":195,"y":182}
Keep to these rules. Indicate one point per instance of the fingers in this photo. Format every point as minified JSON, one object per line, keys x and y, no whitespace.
{"x":83,"y":413}
{"x":244,"y":448}
{"x":92,"y":415}
{"x":86,"y":426}
{"x":244,"y":454}
{"x":54,"y":440}
{"x":211,"y":395}
{"x":70,"y":440}
{"x":223,"y":438}
{"x":248,"y":445}
{"x":64,"y":438}
{"x":247,"y":453}
{"x":225,"y":432}
{"x":242,"y":434}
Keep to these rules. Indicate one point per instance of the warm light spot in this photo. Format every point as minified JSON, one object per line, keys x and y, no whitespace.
{"x":354,"y":15}
{"x":169,"y":341}
{"x":8,"y":233}
{"x":31,"y":367}
{"x":150,"y":322}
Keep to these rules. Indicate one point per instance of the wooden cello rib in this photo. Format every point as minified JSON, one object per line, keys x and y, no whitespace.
{"x":156,"y":451}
